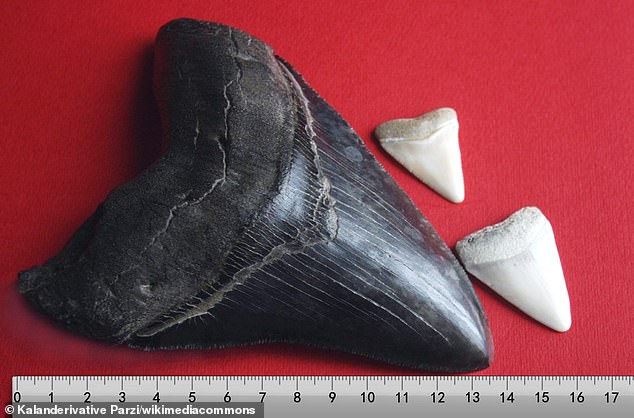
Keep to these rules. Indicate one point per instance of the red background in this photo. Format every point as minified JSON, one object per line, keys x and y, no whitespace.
{"x":545,"y":98}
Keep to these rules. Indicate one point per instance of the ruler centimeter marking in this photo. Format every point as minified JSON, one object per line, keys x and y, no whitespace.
{"x":352,"y":396}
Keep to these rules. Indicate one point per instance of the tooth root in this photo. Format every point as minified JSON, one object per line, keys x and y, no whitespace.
{"x":428,"y":147}
{"x":518,"y":259}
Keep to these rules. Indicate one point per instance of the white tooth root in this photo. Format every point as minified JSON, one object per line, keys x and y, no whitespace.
{"x":428,"y":147}
{"x":518,"y":259}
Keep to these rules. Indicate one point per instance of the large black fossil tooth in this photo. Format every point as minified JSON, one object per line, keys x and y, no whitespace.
{"x":267,"y":220}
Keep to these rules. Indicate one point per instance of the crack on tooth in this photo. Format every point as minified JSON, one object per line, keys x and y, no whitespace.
{"x":236,"y":60}
{"x":226,"y":133}
{"x":197,"y":130}
{"x":227,"y":107}
{"x":227,"y":110}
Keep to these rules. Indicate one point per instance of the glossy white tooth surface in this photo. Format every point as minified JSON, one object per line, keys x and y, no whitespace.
{"x":518,"y":259}
{"x":428,"y":147}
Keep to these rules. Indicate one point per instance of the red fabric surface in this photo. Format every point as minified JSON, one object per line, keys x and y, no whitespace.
{"x":545,"y":97}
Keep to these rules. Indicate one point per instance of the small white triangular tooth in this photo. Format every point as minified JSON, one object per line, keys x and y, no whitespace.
{"x":428,"y":147}
{"x":518,"y":259}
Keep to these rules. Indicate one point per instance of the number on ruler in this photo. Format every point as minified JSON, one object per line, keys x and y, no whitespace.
{"x":611,"y":397}
{"x":17,"y":397}
{"x":263,"y":394}
{"x":473,"y":397}
{"x":332,"y":396}
{"x":507,"y":397}
{"x":50,"y":395}
{"x":227,"y":398}
{"x":438,"y":397}
{"x":156,"y":397}
{"x":87,"y":397}
{"x":542,"y":397}
{"x":369,"y":397}
{"x":121,"y":396}
{"x":402,"y":397}
{"x":192,"y":397}
{"x":577,"y":397}
{"x":297,"y":397}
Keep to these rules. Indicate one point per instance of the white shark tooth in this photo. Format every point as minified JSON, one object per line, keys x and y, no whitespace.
{"x":428,"y":147}
{"x":518,"y":259}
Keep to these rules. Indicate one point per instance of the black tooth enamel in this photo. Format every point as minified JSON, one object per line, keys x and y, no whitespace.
{"x":266,"y":220}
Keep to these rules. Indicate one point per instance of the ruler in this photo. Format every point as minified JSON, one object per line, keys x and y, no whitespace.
{"x":354,"y":396}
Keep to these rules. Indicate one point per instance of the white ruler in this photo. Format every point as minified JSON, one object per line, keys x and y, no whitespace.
{"x":354,"y":396}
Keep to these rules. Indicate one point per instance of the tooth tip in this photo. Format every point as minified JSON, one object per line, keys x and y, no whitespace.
{"x":453,"y":198}
{"x":560,"y":321}
{"x":454,"y":194}
{"x":562,"y":328}
{"x":428,"y":147}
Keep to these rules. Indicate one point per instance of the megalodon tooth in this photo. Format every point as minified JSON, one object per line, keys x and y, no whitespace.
{"x":267,"y":219}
